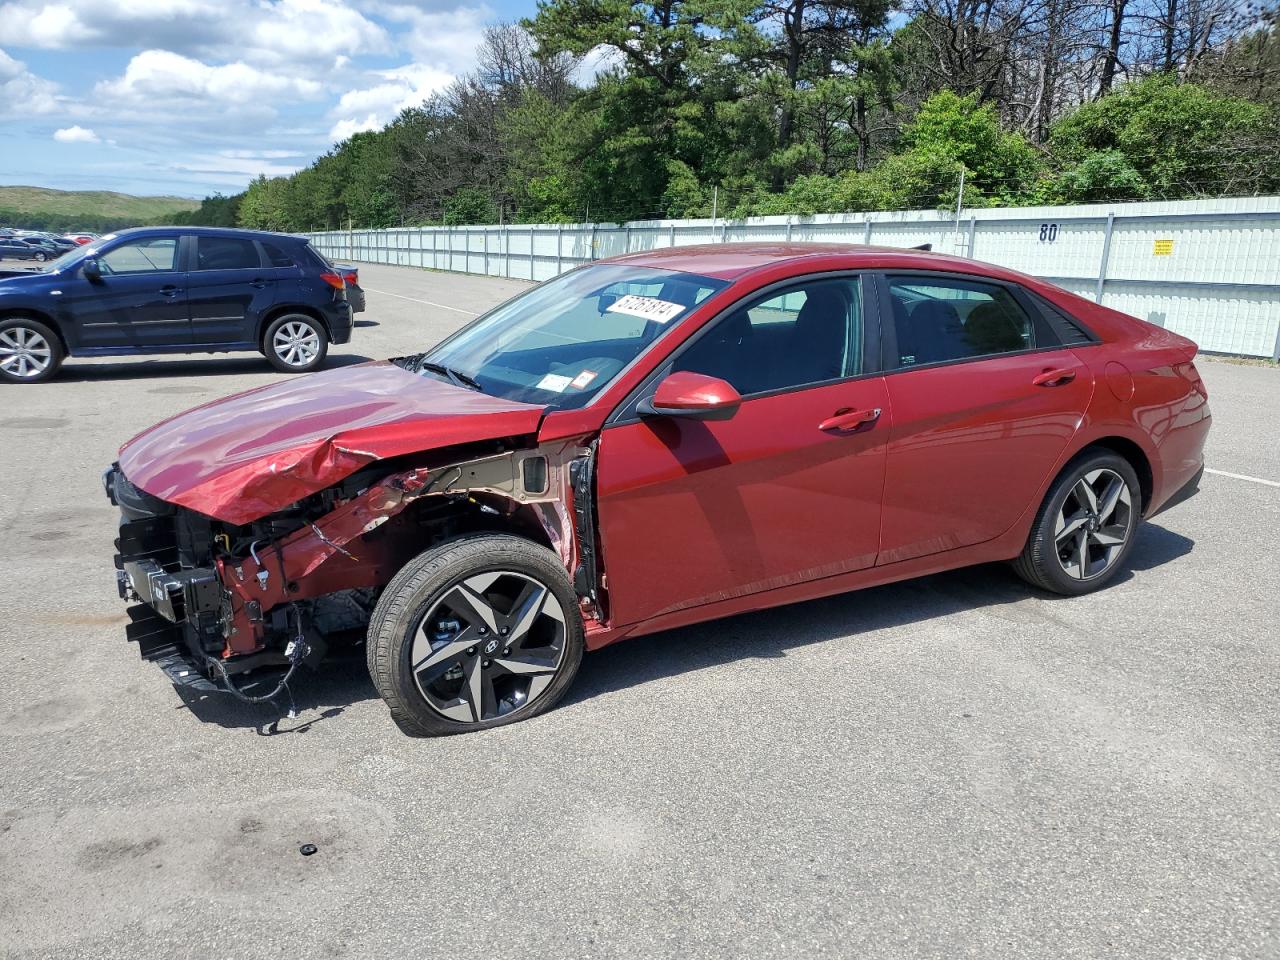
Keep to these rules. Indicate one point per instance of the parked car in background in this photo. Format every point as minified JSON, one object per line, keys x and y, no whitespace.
{"x":17,"y":248}
{"x":45,"y":248}
{"x":643,"y":443}
{"x":355,"y":293}
{"x":82,"y":238}
{"x":62,"y":243}
{"x":173,"y":290}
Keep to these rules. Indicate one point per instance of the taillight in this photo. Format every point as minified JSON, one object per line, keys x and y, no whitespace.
{"x":1188,"y":371}
{"x":334,"y":280}
{"x":352,"y":278}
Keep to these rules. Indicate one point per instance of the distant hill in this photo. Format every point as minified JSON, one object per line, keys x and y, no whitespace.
{"x":38,"y":207}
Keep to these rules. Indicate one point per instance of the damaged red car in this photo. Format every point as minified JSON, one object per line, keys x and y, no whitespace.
{"x":646,"y":442}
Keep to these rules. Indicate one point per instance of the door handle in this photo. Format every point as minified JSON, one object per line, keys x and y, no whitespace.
{"x":257,"y":282}
{"x":850,"y":419}
{"x":169,"y":290}
{"x":1054,"y":378}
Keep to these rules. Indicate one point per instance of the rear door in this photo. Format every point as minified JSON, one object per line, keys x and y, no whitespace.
{"x":231,"y":287}
{"x":984,"y":398}
{"x":787,"y":490}
{"x":140,"y":299}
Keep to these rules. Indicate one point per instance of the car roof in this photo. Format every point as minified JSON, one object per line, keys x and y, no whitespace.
{"x":729,"y":261}
{"x":208,"y":232}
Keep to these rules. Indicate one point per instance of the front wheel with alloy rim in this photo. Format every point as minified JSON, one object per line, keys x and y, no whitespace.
{"x":1085,"y":527}
{"x":29,"y":351}
{"x":475,"y":633}
{"x":295,"y":343}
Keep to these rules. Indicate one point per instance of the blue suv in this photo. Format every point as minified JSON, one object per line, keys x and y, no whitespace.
{"x":174,"y":290}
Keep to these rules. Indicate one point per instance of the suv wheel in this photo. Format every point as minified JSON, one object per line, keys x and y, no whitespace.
{"x":295,"y":343}
{"x":1085,"y":527}
{"x":475,"y":633}
{"x":41,"y":257}
{"x":29,"y":351}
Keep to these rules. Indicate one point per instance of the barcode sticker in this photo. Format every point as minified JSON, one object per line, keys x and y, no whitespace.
{"x":650,"y":308}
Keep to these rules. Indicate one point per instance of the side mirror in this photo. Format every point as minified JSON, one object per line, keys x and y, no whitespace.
{"x":90,"y":270}
{"x":695,"y":395}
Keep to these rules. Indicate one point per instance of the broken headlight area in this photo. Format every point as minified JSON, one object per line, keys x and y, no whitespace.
{"x":214,"y":601}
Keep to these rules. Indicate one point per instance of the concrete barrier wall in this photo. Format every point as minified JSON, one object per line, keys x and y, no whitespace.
{"x":1208,"y":269}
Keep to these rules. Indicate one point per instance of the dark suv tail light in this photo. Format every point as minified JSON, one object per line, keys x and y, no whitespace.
{"x":334,"y":280}
{"x":352,"y":277}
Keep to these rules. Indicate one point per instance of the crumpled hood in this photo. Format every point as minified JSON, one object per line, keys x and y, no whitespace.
{"x":242,"y":457}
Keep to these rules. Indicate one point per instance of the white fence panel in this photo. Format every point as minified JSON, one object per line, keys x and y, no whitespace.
{"x":1208,"y":269}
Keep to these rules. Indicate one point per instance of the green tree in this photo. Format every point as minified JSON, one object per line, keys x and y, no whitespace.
{"x":1182,"y":139}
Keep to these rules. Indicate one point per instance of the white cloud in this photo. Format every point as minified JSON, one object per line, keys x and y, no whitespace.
{"x":597,"y":61}
{"x":310,"y":33}
{"x":214,"y":92}
{"x":22,"y":93}
{"x":446,"y":39}
{"x":75,"y":134}
{"x":245,"y":168}
{"x":368,"y":108}
{"x":352,"y":125}
{"x":160,"y":77}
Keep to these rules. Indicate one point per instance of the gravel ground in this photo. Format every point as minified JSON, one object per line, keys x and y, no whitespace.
{"x":955,"y":766}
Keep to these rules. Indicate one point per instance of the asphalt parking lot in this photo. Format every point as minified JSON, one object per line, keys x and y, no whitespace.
{"x":955,"y":766}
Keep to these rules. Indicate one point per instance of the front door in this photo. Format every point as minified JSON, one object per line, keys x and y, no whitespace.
{"x":229,"y":290}
{"x":788,"y":490}
{"x":140,"y":300}
{"x":984,"y":402}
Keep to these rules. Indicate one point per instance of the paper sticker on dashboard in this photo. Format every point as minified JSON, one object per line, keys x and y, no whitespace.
{"x":650,"y":308}
{"x":554,"y":382}
{"x":582,"y":379}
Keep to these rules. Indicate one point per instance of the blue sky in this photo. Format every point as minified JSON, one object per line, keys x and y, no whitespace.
{"x":191,"y":96}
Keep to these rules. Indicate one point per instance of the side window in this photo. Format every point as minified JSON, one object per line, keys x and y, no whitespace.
{"x":940,"y":319}
{"x":809,"y":334}
{"x":226,"y":253}
{"x":144,"y":255}
{"x":277,"y":256}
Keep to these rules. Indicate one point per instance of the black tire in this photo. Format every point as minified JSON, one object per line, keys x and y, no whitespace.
{"x":41,"y":258}
{"x":419,"y":590}
{"x":1042,"y":562}
{"x":17,"y":331}
{"x":316,"y":340}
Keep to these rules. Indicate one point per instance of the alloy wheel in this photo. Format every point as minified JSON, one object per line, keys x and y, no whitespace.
{"x":296,"y":343}
{"x":491,"y":645}
{"x":24,"y":353}
{"x":1094,"y":524}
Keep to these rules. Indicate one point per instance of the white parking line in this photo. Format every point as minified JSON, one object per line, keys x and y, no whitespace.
{"x":429,"y":303}
{"x":1241,"y":476}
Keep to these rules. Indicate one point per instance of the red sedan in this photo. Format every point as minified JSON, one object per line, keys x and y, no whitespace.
{"x":646,"y":442}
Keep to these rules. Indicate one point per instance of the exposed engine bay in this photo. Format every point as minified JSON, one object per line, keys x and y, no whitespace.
{"x":216,"y":600}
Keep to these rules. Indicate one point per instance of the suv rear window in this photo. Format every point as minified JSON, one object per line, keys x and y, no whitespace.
{"x":277,"y":256}
{"x":226,"y":253}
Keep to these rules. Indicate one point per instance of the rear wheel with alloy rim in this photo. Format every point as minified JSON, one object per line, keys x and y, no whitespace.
{"x":475,"y":633}
{"x":295,"y":343}
{"x":1085,"y":527}
{"x":29,"y":351}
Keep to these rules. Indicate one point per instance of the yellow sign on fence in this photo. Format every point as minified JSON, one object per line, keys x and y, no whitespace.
{"x":1163,"y":248}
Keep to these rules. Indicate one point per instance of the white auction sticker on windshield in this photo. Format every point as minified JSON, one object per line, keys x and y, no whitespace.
{"x":650,"y":308}
{"x":584,"y":378}
{"x":554,"y":382}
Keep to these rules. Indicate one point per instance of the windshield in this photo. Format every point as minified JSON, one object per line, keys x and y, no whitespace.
{"x":76,"y":254}
{"x":564,"y":341}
